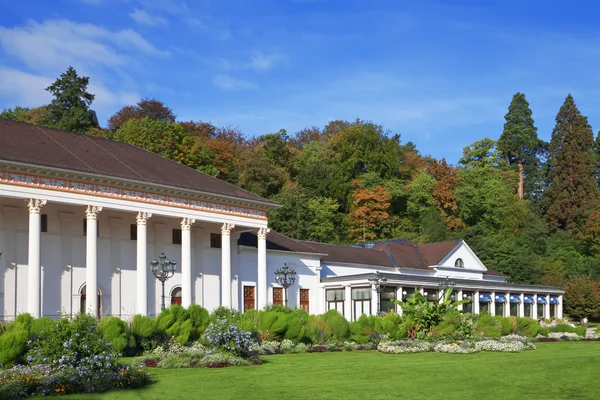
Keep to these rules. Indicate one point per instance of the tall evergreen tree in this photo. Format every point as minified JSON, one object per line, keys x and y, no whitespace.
{"x":519,"y":143}
{"x":572,"y":192}
{"x":69,"y":110}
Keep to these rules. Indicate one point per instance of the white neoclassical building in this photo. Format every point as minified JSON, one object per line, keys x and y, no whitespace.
{"x":82,"y":215}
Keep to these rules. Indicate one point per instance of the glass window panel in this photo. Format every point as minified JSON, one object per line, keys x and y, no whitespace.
{"x":335,"y":294}
{"x":361,"y":294}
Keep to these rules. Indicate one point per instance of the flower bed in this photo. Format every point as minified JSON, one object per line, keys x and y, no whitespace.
{"x":69,"y":357}
{"x":455,"y":347}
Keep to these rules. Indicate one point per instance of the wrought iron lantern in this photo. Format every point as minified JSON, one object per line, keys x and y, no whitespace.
{"x":163,"y":269}
{"x":378,"y":283}
{"x":285,"y":276}
{"x":444,"y":285}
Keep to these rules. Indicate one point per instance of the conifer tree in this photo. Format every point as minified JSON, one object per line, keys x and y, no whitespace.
{"x":572,"y":192}
{"x":519,"y":143}
{"x":69,"y":110}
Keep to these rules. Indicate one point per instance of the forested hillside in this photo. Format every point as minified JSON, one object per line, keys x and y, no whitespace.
{"x":528,"y":208}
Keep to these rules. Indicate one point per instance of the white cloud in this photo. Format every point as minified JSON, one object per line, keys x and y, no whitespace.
{"x":56,"y":44}
{"x":227,"y":82}
{"x":28,"y":90}
{"x":263,"y":62}
{"x":24,"y":89}
{"x":141,"y":17}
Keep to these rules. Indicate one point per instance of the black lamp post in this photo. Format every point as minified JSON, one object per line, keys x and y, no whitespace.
{"x":378,"y":283}
{"x":162,"y":270}
{"x":445,"y":284}
{"x":285,"y":276}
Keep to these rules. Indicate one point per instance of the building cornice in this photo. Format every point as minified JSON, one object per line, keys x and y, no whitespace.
{"x":48,"y":178}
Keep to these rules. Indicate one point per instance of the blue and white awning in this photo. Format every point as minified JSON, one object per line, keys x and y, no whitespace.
{"x":528,"y":299}
{"x":500,"y":298}
{"x":541,"y":300}
{"x":553,"y":300}
{"x":485,"y":298}
{"x":515,"y":298}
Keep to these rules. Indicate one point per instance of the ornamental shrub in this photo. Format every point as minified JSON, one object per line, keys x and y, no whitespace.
{"x":543,"y":331}
{"x":13,"y":343}
{"x":487,"y":326}
{"x":562,"y":328}
{"x":114,"y":331}
{"x":580,"y":330}
{"x":390,"y":324}
{"x":225,"y":336}
{"x":336,"y":326}
{"x":527,"y":326}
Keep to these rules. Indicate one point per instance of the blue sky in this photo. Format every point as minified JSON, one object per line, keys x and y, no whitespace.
{"x":440,"y":73}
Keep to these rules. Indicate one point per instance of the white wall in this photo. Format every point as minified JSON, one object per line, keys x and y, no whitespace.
{"x":63,"y":263}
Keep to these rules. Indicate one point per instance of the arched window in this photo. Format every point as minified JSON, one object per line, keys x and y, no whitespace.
{"x":459,"y":263}
{"x":82,"y":305}
{"x":176,"y":295}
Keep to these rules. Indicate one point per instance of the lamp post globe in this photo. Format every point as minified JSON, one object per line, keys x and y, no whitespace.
{"x":163,"y":269}
{"x":285,"y":276}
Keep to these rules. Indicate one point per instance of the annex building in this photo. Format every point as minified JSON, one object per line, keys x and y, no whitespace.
{"x":81,"y":218}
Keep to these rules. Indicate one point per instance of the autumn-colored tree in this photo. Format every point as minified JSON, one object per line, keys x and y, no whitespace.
{"x":444,"y":192}
{"x":572,"y":192}
{"x":150,"y":108}
{"x":368,"y":212}
{"x":591,"y":233}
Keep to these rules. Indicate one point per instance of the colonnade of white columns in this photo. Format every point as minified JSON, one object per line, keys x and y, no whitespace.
{"x":34,"y":302}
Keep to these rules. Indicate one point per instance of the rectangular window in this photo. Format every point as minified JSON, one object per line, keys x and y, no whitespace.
{"x":85,"y":228}
{"x":133,"y":232}
{"x":176,"y":236}
{"x":387,"y":297}
{"x":248,"y":298}
{"x":407,"y":293}
{"x":432,"y":295}
{"x":44,"y":224}
{"x":361,"y":302}
{"x":484,"y":308}
{"x":514,"y":309}
{"x":499,"y":309}
{"x":335,"y":300}
{"x":541,"y":310}
{"x":215,"y":240}
{"x":468,"y":307}
{"x":277,"y":295}
{"x":527,"y":309}
{"x":304,"y":300}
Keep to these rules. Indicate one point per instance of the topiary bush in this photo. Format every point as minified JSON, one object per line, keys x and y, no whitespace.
{"x":337,"y":327}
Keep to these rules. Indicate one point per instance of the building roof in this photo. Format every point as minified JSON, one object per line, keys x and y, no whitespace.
{"x":47,"y":147}
{"x":419,"y":280}
{"x":275,"y":241}
{"x":351,"y":255}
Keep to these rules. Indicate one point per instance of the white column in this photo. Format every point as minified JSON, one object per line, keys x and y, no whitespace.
{"x":348,"y":302}
{"x":547,"y":307}
{"x":142,"y":264}
{"x":476,"y":302}
{"x":459,"y":297}
{"x":262,"y":288}
{"x":534,"y":307}
{"x":507,"y":305}
{"x":399,"y":296}
{"x":186,"y":262}
{"x":493,"y":304}
{"x":374,"y":300}
{"x":226,"y":264}
{"x":559,"y":307}
{"x":521,"y":305}
{"x":315,"y":295}
{"x":34,"y":288}
{"x":91,"y":260}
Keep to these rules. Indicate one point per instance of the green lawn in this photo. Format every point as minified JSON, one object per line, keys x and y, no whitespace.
{"x":565,"y":370}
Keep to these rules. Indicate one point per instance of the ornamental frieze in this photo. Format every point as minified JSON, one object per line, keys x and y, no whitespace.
{"x":66,"y":185}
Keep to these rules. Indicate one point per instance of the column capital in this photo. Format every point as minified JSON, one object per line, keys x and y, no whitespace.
{"x":262,"y":233}
{"x":142,"y":217}
{"x":35,"y":205}
{"x":186,"y":223}
{"x":91,"y":212}
{"x":227,"y":228}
